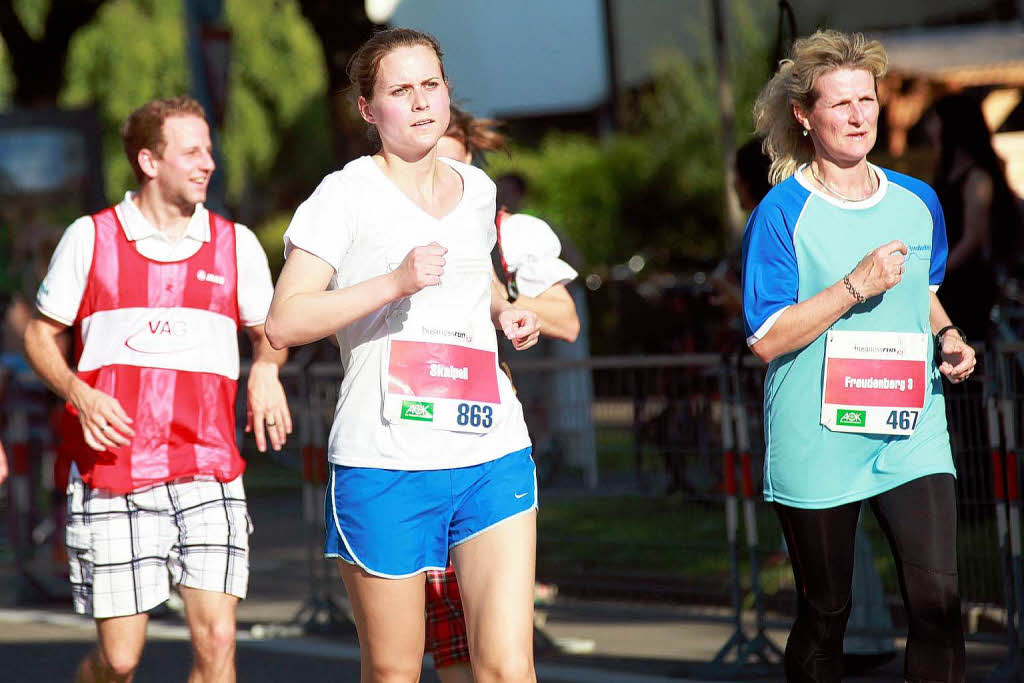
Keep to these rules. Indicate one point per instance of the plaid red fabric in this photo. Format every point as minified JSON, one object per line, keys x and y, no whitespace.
{"x":446,"y":640}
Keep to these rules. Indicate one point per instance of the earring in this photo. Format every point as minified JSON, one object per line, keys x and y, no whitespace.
{"x":805,"y":132}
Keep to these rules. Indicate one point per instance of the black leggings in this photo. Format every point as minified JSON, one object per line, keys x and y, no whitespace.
{"x":919,"y":519}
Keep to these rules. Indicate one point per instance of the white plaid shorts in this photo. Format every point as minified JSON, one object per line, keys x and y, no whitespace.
{"x":124,"y":548}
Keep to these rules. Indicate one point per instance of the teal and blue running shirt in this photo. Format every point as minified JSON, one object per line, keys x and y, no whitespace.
{"x":798,"y":242}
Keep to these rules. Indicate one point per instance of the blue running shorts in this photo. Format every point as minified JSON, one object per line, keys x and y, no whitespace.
{"x":397,"y":523}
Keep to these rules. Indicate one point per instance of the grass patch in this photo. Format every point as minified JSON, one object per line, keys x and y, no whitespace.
{"x":680,"y":540}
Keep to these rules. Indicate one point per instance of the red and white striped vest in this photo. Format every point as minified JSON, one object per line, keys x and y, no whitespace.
{"x":162,"y":338}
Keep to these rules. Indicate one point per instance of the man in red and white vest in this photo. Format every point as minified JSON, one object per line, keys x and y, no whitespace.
{"x":155,"y":290}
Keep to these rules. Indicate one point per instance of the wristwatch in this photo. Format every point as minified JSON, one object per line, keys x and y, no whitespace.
{"x":938,"y":342}
{"x":944,"y":330}
{"x":512,"y":287}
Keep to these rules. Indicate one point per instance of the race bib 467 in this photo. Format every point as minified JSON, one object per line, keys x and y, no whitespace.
{"x":874,"y":382}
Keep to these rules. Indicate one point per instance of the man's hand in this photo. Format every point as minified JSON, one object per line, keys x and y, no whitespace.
{"x":268,"y":407}
{"x":958,"y":357}
{"x":521,"y":327}
{"x":104,"y":422}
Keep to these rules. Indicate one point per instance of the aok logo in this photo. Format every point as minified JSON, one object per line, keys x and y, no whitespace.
{"x":851,"y":418}
{"x":161,"y":336}
{"x":419,"y":411}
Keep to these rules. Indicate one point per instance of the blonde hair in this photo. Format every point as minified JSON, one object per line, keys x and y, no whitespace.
{"x":793,"y":84}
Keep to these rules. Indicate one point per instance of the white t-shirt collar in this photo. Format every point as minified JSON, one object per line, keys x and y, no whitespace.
{"x":866,"y":203}
{"x":137,"y":227}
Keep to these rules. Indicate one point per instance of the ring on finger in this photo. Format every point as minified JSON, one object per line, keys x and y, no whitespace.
{"x":270,"y":424}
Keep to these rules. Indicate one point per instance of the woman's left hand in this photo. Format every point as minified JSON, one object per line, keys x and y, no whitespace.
{"x":958,"y":358}
{"x":522,"y":327}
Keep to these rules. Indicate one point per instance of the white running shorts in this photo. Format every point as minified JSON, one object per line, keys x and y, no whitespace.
{"x":125,"y":549}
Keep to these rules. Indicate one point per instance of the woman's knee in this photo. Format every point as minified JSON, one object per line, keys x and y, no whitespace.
{"x":120,"y":662}
{"x":512,"y":667}
{"x":934,"y":600}
{"x":391,"y":671}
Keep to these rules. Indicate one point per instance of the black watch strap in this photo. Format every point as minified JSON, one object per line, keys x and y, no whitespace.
{"x":512,"y":287}
{"x":944,"y":330}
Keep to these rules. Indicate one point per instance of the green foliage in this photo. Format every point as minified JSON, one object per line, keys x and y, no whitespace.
{"x":277,"y":73}
{"x":271,"y":235}
{"x":657,"y":187}
{"x":32,"y":14}
{"x":581,"y":186}
{"x":131,"y":52}
{"x":134,"y":50}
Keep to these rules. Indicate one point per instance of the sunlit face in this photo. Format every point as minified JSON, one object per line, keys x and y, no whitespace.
{"x":410,"y":105}
{"x":182,"y":172}
{"x":453,"y":148}
{"x":844,"y":121}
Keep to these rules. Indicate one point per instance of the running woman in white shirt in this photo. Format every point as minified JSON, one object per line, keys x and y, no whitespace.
{"x":429,"y":452}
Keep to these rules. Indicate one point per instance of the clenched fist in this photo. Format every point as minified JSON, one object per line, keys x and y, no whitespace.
{"x":881,"y":269}
{"x":421,"y":267}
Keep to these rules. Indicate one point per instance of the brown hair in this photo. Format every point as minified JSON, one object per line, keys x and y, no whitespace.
{"x":365,"y":63}
{"x":144,"y":129}
{"x":793,"y":84}
{"x":476,"y":135}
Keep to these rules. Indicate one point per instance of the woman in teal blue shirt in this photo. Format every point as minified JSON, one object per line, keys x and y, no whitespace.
{"x":842,"y":260}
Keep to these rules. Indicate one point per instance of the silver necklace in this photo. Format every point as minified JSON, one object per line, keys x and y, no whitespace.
{"x":821,"y":181}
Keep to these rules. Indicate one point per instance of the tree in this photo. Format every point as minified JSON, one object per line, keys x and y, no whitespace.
{"x":342,"y":26}
{"x":38,"y":62}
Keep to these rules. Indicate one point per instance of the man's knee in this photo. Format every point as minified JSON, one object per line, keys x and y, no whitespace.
{"x":215,"y":638}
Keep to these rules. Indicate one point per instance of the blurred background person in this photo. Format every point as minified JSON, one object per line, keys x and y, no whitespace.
{"x":751,"y":184}
{"x":529,"y":272}
{"x":982,"y":221}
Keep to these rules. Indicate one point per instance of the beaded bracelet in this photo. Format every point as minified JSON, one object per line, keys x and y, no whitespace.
{"x":853,"y":292}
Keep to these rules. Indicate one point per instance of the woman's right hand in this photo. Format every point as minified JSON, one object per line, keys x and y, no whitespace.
{"x":421,"y":267}
{"x":881,"y":269}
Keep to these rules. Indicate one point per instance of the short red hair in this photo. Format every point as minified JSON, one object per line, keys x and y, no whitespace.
{"x":144,"y":129}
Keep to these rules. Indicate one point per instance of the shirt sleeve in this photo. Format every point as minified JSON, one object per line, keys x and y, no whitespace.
{"x":770,"y":275}
{"x":60,"y":294}
{"x":531,"y":249}
{"x":321,"y":224}
{"x":255,"y":287}
{"x":940,"y":247}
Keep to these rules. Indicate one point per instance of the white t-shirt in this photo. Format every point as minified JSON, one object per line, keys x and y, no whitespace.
{"x":531,"y":250}
{"x":61,"y":291}
{"x":361,"y":224}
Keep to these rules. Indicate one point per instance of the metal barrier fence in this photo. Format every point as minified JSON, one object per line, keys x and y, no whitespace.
{"x":698,"y":417}
{"x":654,"y":463}
{"x":679,"y":438}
